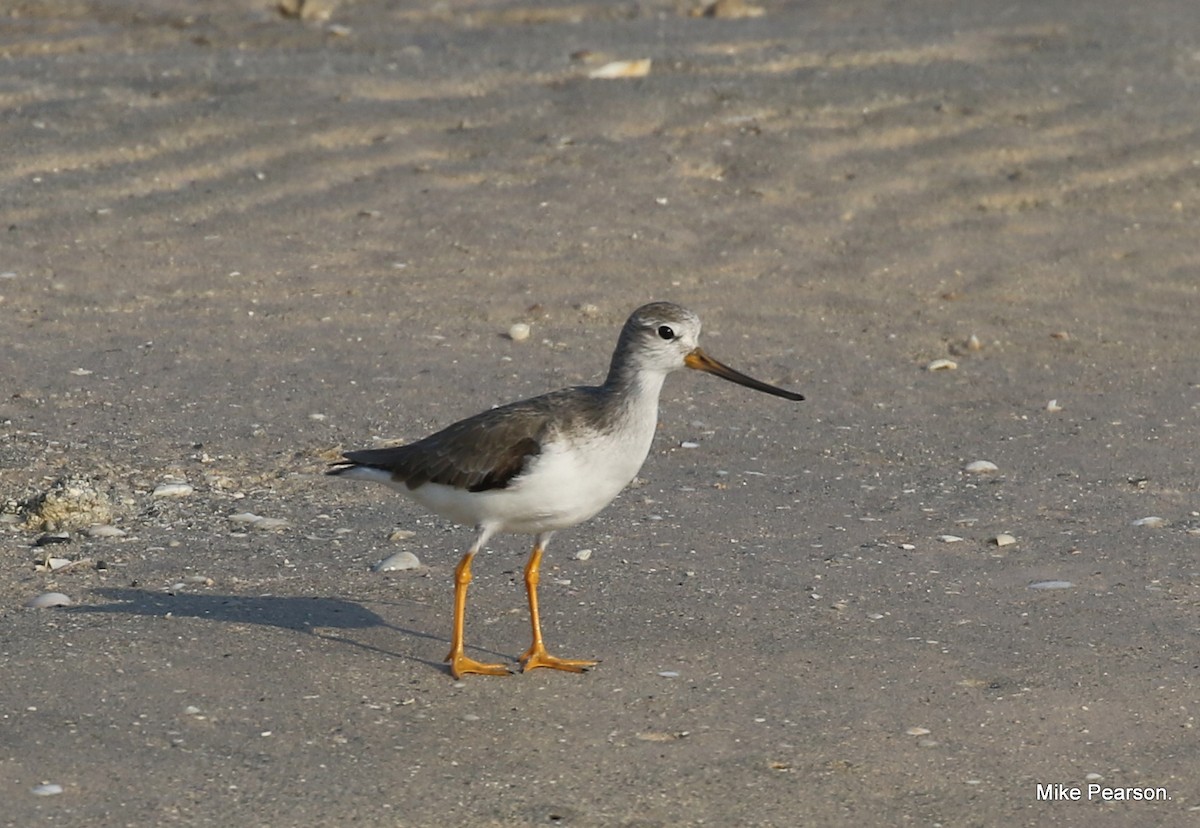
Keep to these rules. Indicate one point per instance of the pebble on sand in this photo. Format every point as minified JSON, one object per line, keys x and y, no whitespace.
{"x":1004,"y":539}
{"x":398,"y":562}
{"x":582,"y":554}
{"x":518,"y":332}
{"x":49,"y":599}
{"x":1055,"y":584}
{"x":1153,"y":522}
{"x":981,"y":467}
{"x":46,"y":789}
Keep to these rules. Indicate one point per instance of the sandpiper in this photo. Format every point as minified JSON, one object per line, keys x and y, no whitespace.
{"x":546,"y":463}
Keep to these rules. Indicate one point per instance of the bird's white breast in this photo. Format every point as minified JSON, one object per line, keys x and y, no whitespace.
{"x":569,"y":482}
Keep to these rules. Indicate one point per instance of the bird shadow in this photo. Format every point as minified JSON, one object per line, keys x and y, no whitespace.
{"x":311,"y":615}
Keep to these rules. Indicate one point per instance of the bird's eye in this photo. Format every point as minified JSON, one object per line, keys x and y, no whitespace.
{"x":666,"y":332}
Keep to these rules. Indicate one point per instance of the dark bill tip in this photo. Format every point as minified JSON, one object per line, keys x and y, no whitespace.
{"x":703,"y":362}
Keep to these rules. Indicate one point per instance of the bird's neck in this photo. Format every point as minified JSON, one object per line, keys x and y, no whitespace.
{"x":633,"y":392}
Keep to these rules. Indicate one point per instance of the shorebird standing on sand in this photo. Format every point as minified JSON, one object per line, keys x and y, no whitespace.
{"x":546,"y":463}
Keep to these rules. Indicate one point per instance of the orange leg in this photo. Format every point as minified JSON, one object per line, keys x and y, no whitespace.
{"x":536,"y":655}
{"x":459,"y":663}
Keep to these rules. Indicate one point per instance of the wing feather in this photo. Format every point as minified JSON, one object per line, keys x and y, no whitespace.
{"x":483,"y":452}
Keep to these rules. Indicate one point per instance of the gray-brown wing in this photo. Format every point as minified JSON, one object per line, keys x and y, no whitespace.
{"x":479,"y":453}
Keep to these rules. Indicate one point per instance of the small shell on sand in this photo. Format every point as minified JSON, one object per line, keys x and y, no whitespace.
{"x":942,"y":365}
{"x":981,"y":467}
{"x":1004,"y":539}
{"x":622,"y":69}
{"x":173,"y":490}
{"x":397,"y":562}
{"x":582,"y":554}
{"x":49,"y":599}
{"x":518,"y":332}
{"x":949,"y":538}
{"x":1051,"y":585}
{"x":1152,"y":522}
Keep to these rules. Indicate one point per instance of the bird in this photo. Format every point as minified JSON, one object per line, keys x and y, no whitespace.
{"x":546,"y":463}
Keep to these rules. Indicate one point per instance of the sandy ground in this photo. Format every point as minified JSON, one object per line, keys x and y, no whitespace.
{"x":234,"y":242}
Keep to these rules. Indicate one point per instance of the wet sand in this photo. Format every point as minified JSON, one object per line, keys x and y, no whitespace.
{"x":236,"y":242}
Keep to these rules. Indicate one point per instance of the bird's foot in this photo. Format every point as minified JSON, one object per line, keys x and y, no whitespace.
{"x":536,"y":657}
{"x":460,"y":665}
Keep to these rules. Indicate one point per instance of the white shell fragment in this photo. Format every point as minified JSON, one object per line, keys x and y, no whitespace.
{"x":918,"y":731}
{"x":259,"y":522}
{"x":981,"y":467}
{"x":582,"y":554}
{"x":1053,"y":407}
{"x":47,"y":600}
{"x":518,"y":332}
{"x":1153,"y":522}
{"x":949,"y":538}
{"x":659,"y":736}
{"x":173,"y":490}
{"x":46,"y":789}
{"x":622,"y":69}
{"x":397,"y":562}
{"x":942,"y":365}
{"x":1004,"y":539}
{"x":728,"y":9}
{"x":104,"y":530}
{"x":1051,"y":585}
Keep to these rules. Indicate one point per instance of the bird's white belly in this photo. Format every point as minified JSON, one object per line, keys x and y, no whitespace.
{"x":565,"y":485}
